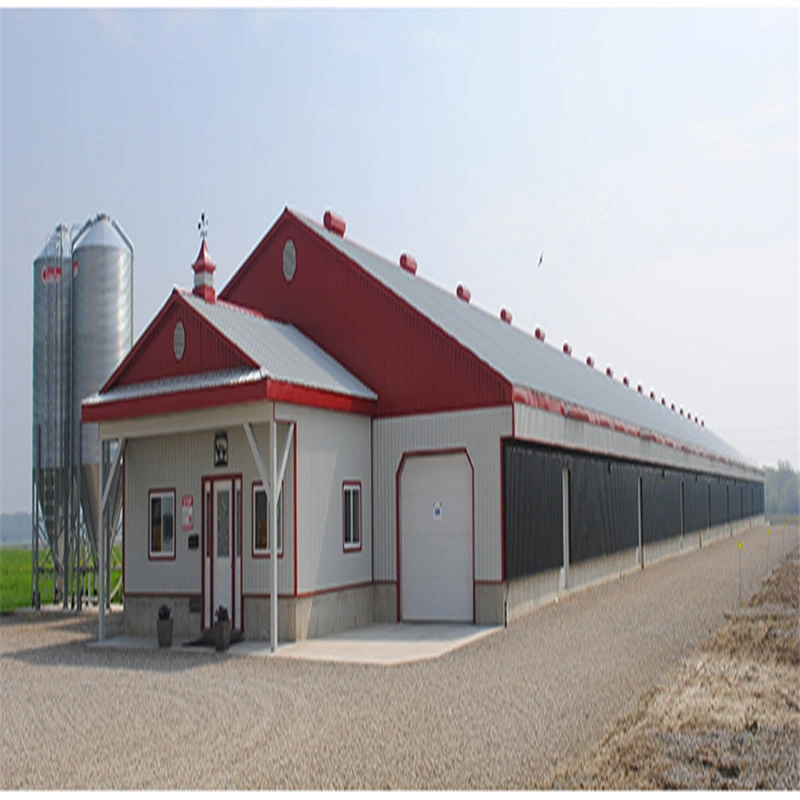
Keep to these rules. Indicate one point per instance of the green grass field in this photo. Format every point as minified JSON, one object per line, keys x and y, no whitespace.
{"x":15,"y":580}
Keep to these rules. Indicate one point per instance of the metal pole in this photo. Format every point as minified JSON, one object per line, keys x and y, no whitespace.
{"x":273,"y":469}
{"x":35,"y":522}
{"x":639,"y":550}
{"x":101,"y":550}
{"x":565,"y":525}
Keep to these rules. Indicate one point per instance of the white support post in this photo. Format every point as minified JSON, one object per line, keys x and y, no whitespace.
{"x":273,"y":525}
{"x":101,"y":536}
{"x":273,"y":498}
{"x":260,"y":466}
{"x":565,"y":524}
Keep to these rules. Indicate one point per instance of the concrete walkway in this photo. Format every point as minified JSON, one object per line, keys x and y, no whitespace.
{"x":387,"y":644}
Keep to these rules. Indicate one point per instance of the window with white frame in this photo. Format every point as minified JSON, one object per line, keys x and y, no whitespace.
{"x":162,"y":523}
{"x":261,"y":522}
{"x":351,"y":496}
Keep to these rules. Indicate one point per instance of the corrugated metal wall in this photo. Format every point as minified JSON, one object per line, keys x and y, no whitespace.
{"x":409,"y":362}
{"x":661,"y":504}
{"x":479,"y":432}
{"x":603,"y":505}
{"x":205,"y":350}
{"x":543,"y":427}
{"x":533,"y":510}
{"x":180,"y":461}
{"x":695,"y":499}
{"x":332,"y":448}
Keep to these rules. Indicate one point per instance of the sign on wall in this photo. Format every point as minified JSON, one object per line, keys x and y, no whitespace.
{"x":221,"y":449}
{"x":187,"y":509}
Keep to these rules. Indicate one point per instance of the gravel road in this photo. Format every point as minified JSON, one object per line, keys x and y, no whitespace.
{"x":499,"y":713}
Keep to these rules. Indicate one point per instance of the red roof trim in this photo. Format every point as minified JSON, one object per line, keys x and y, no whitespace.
{"x":545,"y":402}
{"x":214,"y":396}
{"x":187,"y":400}
{"x":282,"y":392}
{"x":176,"y":296}
{"x":148,"y":333}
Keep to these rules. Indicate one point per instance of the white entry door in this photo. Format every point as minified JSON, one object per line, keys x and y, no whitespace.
{"x":223,"y":546}
{"x":223,"y":549}
{"x":436,"y":539}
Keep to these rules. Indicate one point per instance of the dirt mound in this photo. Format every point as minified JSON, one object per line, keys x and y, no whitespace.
{"x":731,"y":717}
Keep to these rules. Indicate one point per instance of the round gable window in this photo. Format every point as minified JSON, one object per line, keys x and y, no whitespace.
{"x":179,"y":341}
{"x":289,"y":260}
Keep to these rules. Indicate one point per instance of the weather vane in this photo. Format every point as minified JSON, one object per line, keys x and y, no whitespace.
{"x":202,"y":226}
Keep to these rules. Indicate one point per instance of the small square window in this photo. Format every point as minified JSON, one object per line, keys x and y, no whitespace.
{"x":351,"y":497}
{"x":261,"y":521}
{"x":162,"y":524}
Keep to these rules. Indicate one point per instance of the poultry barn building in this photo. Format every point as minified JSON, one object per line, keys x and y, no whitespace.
{"x":430,"y":461}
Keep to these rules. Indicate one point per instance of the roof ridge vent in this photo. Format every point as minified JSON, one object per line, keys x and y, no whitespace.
{"x":334,"y":223}
{"x":539,"y":334}
{"x":408,"y":263}
{"x":506,"y":316}
{"x":463,"y":293}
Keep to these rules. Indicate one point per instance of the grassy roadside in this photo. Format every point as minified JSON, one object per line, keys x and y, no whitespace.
{"x":15,"y":580}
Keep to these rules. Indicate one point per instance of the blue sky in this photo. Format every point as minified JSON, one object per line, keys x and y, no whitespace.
{"x":652,"y":155}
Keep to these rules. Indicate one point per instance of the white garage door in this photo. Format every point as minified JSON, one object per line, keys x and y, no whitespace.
{"x":436,"y":538}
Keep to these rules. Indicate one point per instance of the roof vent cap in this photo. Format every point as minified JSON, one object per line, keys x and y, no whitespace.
{"x":589,"y":361}
{"x":652,"y":395}
{"x":609,"y":372}
{"x":539,"y":334}
{"x":639,"y":388}
{"x":505,"y":315}
{"x":334,"y":223}
{"x":462,"y":293}
{"x":625,"y":381}
{"x":681,"y":412}
{"x":567,"y":349}
{"x":408,"y":263}
{"x":663,"y":400}
{"x":672,"y":406}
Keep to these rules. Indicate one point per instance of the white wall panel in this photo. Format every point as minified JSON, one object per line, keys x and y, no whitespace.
{"x":479,"y":432}
{"x":181,"y":461}
{"x":332,"y":448}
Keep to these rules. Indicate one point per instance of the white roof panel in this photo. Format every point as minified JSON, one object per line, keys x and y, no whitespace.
{"x":522,"y":359}
{"x":281,"y":351}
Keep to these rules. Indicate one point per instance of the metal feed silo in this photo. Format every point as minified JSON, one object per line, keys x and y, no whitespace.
{"x":53,"y":473}
{"x":102,"y":336}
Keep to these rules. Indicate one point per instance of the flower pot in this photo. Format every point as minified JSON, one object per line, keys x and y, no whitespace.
{"x":164,"y":632}
{"x":222,"y":634}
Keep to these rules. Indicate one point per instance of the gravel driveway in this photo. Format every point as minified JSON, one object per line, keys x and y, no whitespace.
{"x":499,"y":713}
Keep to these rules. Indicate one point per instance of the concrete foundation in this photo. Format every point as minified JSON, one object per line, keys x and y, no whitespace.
{"x":141,"y":613}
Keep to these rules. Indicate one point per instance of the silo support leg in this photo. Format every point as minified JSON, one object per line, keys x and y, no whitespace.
{"x":101,"y":605}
